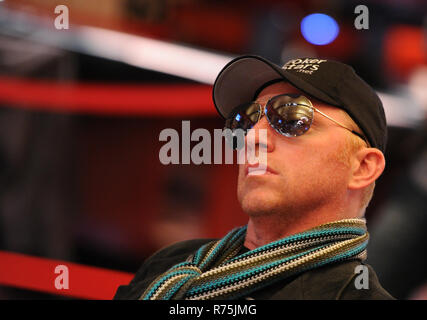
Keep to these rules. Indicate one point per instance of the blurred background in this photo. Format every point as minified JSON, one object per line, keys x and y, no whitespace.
{"x":82,"y":109}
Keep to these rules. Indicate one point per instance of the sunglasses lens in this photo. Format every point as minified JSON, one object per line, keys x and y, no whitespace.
{"x":244,"y":117}
{"x":289,"y":115}
{"x":239,"y":122}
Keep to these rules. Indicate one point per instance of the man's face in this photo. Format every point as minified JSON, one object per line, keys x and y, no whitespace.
{"x":304,"y":172}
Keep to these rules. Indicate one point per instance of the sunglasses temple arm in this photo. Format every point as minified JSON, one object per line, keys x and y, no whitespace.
{"x":341,"y":125}
{"x":361,"y":136}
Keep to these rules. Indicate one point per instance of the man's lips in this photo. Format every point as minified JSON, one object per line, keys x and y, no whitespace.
{"x":258,"y":169}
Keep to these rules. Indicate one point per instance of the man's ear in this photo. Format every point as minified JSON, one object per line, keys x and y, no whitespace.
{"x":367,"y":165}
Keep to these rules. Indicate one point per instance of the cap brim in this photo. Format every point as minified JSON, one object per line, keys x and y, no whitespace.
{"x":242,"y":77}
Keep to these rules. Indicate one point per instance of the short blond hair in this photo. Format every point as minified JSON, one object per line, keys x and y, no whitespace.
{"x":354,"y":144}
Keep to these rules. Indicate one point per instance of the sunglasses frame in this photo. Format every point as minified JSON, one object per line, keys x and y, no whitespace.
{"x":262,"y":112}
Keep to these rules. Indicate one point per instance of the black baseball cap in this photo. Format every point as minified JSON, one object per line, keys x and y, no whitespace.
{"x":329,"y":81}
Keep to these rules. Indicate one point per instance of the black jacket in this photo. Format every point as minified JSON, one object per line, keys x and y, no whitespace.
{"x":332,"y":282}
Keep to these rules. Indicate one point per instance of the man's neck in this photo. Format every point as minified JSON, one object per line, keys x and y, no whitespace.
{"x":265,"y":229}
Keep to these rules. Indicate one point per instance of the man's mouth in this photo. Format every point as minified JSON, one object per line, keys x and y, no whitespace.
{"x":258,"y":169}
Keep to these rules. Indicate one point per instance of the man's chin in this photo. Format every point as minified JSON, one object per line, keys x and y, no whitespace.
{"x":259,"y":206}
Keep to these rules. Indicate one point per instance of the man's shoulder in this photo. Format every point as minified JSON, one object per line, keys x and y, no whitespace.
{"x":362,"y":283}
{"x":158,"y":263}
{"x":348,"y":280}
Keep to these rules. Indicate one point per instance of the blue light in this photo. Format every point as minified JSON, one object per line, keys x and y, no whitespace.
{"x":237,"y":117}
{"x":319,"y":28}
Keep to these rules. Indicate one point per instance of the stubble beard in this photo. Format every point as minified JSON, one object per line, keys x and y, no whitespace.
{"x":290,"y":201}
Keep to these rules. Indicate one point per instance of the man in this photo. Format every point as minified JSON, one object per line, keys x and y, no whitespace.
{"x":306,"y":237}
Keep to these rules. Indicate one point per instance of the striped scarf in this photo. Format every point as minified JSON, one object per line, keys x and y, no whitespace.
{"x":215,"y":271}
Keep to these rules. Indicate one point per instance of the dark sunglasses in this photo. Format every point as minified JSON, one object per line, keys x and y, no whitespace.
{"x":289,"y":114}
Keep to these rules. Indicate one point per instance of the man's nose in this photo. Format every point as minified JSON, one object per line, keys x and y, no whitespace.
{"x":261,"y":135}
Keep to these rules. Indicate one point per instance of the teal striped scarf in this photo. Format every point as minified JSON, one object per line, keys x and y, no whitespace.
{"x":215,"y":271}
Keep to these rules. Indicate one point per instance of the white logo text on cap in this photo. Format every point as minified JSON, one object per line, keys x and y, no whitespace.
{"x":303,"y":65}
